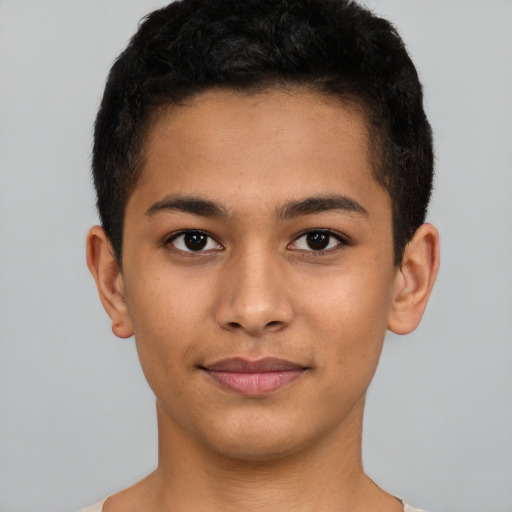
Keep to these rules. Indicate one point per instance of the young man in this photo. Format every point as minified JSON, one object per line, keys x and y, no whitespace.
{"x":263,"y":170}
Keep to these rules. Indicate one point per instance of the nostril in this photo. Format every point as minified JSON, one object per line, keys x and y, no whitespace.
{"x":235,"y":325}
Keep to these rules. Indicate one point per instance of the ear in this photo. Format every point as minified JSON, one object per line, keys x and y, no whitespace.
{"x":109,"y":280}
{"x":414,"y":280}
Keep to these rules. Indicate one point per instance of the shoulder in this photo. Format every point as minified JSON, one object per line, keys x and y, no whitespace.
{"x":97,"y":507}
{"x":408,"y":508}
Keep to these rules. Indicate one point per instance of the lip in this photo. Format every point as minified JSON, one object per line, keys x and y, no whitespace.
{"x":253,"y":378}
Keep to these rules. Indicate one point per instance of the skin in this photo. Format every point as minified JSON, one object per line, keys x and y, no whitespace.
{"x":259,"y":290}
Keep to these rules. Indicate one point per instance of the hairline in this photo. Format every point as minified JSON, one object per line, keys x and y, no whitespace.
{"x":374,"y":136}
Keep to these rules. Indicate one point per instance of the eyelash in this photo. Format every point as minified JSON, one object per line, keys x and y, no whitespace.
{"x":341,"y":239}
{"x":191,"y":232}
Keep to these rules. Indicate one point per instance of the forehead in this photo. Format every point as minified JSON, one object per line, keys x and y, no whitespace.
{"x":232,"y":144}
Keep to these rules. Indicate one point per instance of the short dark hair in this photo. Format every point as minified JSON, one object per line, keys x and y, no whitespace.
{"x":333,"y":47}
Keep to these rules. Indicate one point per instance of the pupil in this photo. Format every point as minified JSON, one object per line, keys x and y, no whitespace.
{"x":317,"y":241}
{"x":195,"y":241}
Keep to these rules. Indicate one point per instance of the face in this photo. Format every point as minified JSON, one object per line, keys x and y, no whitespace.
{"x":258,"y":270}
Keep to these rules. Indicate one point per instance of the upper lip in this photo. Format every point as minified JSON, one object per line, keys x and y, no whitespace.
{"x":241,"y":365}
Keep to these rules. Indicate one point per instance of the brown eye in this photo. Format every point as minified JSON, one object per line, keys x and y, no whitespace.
{"x":194,"y":241}
{"x":317,"y":241}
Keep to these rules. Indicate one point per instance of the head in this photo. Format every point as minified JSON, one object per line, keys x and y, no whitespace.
{"x":263,"y":170}
{"x":331,"y":47}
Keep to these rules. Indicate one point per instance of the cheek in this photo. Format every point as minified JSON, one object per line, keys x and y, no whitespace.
{"x":349,"y":310}
{"x":169,"y":317}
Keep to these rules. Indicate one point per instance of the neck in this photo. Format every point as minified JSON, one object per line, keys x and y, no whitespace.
{"x":326,"y":475}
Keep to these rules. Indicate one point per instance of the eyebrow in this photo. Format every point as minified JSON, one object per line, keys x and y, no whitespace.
{"x":188,"y":204}
{"x":308,"y":206}
{"x":312,"y":205}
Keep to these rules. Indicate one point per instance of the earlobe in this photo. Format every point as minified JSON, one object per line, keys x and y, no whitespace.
{"x":414,"y":280}
{"x":109,"y":281}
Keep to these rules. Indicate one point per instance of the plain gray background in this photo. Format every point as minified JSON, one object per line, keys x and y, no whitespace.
{"x":76,"y":417}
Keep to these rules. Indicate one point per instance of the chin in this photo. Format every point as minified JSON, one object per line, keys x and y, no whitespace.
{"x":257,"y":442}
{"x":256,"y":450}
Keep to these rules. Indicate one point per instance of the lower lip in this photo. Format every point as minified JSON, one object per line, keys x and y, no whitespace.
{"x":253,"y":384}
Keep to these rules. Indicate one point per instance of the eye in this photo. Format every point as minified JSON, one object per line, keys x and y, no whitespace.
{"x":318,"y":240}
{"x":194,"y":241}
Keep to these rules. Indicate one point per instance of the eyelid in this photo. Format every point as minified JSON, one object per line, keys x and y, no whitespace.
{"x":340,"y":237}
{"x":174,"y":236}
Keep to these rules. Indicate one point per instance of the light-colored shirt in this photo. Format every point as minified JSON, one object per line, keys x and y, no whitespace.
{"x":98,"y":507}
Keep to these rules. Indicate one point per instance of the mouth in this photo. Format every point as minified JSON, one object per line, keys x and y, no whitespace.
{"x":253,"y":378}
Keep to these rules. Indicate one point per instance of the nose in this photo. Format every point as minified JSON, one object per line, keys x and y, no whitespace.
{"x":255,"y":297}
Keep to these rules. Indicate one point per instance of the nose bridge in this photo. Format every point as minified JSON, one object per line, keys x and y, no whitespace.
{"x":254,"y":296}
